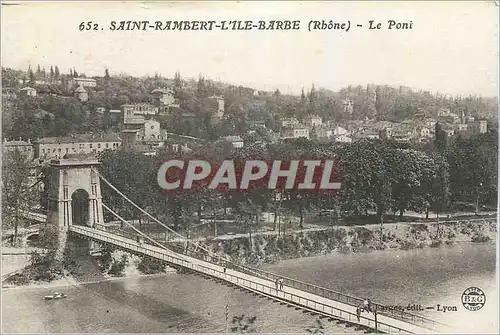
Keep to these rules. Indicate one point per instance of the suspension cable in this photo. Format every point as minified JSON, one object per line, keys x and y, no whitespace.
{"x":159,"y":222}
{"x":137,"y":230}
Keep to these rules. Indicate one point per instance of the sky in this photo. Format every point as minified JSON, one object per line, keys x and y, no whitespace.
{"x":452,"y":46}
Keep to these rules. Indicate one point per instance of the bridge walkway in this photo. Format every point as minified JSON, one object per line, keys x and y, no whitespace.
{"x":295,"y":297}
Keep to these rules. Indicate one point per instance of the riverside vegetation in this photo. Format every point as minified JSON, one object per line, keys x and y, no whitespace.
{"x":268,"y":248}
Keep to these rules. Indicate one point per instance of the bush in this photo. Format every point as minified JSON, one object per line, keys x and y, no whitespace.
{"x":105,"y":260}
{"x":480,"y":238}
{"x":69,"y":258}
{"x":150,"y":266}
{"x":118,"y":266}
{"x":43,"y":267}
{"x":435,"y":243}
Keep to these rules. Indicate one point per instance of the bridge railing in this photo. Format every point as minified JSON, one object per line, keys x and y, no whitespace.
{"x":218,"y":272}
{"x":294,"y":283}
{"x":346,"y":298}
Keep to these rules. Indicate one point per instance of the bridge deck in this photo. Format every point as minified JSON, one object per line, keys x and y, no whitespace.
{"x":321,"y":305}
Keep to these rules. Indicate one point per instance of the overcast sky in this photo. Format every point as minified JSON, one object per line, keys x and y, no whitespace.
{"x":452,"y":48}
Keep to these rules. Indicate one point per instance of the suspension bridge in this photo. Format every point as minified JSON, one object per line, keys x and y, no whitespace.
{"x":151,"y":240}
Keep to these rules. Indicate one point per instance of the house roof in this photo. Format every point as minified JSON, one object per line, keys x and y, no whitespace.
{"x":80,"y":138}
{"x":80,"y":89}
{"x":27,"y":88}
{"x":84,"y":79}
{"x":15,"y":143}
{"x":160,"y":90}
{"x":233,"y":138}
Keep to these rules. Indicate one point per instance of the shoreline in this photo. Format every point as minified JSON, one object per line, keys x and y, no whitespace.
{"x":69,"y":281}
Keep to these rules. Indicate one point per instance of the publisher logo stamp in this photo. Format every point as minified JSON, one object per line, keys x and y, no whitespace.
{"x":473,"y":299}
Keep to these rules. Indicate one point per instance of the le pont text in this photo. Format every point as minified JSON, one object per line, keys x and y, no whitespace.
{"x":204,"y":25}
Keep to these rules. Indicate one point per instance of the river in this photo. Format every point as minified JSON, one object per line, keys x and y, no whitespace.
{"x":186,"y":303}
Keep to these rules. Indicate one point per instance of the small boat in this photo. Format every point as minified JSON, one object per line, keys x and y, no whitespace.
{"x":55,"y":296}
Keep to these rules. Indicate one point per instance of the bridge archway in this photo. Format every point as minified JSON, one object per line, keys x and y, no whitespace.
{"x":73,"y":186}
{"x":80,"y":204}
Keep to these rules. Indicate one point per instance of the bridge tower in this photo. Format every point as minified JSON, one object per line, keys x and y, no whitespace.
{"x":70,"y":177}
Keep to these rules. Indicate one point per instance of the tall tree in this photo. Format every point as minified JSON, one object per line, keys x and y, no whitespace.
{"x":440,"y":139}
{"x":56,"y":73}
{"x":31,"y":77}
{"x":17,"y":194}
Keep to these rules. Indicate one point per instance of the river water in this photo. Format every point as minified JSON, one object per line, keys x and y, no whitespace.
{"x":186,"y":303}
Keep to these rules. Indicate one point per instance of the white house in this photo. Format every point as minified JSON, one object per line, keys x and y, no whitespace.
{"x":343,"y":139}
{"x":295,"y":132}
{"x":236,"y":141}
{"x":340,"y":131}
{"x":289,"y":122}
{"x":313,"y":121}
{"x":29,"y":91}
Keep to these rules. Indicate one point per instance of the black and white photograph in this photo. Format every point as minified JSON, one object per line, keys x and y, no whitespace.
{"x":326,"y":167}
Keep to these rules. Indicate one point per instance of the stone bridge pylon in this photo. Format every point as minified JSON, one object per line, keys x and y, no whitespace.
{"x":74,"y":197}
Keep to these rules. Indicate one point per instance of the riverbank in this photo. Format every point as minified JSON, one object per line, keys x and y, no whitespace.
{"x":83,"y":269}
{"x":273,"y":248}
{"x":265,"y":249}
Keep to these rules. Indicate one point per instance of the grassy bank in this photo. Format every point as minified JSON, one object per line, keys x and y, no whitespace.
{"x":273,"y":248}
{"x":78,"y":267}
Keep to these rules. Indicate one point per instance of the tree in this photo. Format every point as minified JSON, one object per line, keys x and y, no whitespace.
{"x":243,"y":324}
{"x":56,"y":73}
{"x":106,"y":74}
{"x":31,"y":77}
{"x":17,"y":195}
{"x":409,"y":173}
{"x":438,"y":186}
{"x":440,"y":139}
{"x":318,"y":328}
{"x":51,"y":74}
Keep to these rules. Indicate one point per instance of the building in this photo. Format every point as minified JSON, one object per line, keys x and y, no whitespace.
{"x":323,"y":133}
{"x":348,"y":106}
{"x":367,"y":134}
{"x":57,"y":147}
{"x":402,"y":136}
{"x":83,"y":82}
{"x":139,"y":109}
{"x":162,"y":97}
{"x":25,"y":148}
{"x":424,"y":132}
{"x":236,"y":141}
{"x":313,"y":121}
{"x":342,"y":139}
{"x":289,"y":122}
{"x":340,"y":131}
{"x":219,"y":114}
{"x":295,"y":132}
{"x":257,"y":124}
{"x":28,"y":91}
{"x":81,"y":94}
{"x":148,"y":133}
{"x":478,"y":127}
{"x":151,"y":131}
{"x":220,"y":103}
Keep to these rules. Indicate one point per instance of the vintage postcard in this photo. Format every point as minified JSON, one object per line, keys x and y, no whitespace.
{"x":249,"y":167}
